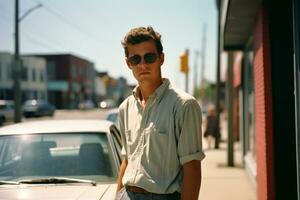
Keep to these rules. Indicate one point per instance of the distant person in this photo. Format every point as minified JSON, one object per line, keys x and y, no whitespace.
{"x":160,"y":129}
{"x":211,"y":133}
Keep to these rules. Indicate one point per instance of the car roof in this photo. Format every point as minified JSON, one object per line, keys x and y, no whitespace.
{"x":57,"y":126}
{"x":3,"y":102}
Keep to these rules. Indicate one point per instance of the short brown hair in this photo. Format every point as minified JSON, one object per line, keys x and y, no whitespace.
{"x":142,"y":34}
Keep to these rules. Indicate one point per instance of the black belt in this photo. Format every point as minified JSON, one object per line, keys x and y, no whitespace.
{"x":138,"y":190}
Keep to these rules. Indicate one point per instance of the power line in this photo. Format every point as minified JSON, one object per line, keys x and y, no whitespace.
{"x":29,"y":37}
{"x":39,"y":42}
{"x":70,"y":23}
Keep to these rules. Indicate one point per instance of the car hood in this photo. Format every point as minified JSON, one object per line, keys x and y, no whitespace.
{"x":58,"y":191}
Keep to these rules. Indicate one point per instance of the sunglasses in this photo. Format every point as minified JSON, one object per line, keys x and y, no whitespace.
{"x":149,"y":58}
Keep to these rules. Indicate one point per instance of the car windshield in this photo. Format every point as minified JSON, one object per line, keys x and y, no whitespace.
{"x":83,"y":156}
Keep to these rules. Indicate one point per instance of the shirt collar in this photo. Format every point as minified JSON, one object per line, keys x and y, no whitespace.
{"x":157,"y":94}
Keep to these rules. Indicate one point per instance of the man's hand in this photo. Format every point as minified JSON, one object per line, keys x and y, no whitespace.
{"x":121,"y":174}
{"x":191,"y":180}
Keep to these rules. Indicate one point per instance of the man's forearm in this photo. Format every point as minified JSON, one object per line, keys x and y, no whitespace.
{"x":191,"y":180}
{"x":121,"y":174}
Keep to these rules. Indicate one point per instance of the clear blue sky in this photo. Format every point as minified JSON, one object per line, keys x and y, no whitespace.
{"x":93,"y":29}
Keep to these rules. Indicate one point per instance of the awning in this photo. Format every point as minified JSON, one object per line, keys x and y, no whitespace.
{"x":58,"y":86}
{"x":239,"y":22}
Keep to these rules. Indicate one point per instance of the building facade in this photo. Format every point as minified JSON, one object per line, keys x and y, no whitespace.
{"x":261,"y":39}
{"x":33,"y":77}
{"x":70,"y":80}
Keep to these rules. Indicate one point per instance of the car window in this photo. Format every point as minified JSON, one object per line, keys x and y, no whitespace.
{"x":84,"y":156}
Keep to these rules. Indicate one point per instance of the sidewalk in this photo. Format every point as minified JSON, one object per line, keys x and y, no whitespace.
{"x":220,"y":182}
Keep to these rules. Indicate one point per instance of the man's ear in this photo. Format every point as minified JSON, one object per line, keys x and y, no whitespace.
{"x":128,"y":64}
{"x":162,"y":58}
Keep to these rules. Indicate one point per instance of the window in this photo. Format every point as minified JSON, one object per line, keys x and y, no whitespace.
{"x":33,"y":75}
{"x":42,"y":77}
{"x":9,"y":70}
{"x":24,"y":74}
{"x":51,"y":70}
{"x":248,"y":117}
{"x":74,"y":71}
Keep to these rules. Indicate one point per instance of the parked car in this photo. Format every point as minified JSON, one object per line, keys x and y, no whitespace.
{"x":37,"y":108}
{"x":86,"y":105}
{"x":6,"y":111}
{"x":112,"y":115}
{"x":107,"y":103}
{"x":59,"y":159}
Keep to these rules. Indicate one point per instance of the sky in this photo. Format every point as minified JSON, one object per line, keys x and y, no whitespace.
{"x":93,"y":30}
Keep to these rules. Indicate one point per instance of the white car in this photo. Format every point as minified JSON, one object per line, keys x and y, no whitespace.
{"x":59,"y":159}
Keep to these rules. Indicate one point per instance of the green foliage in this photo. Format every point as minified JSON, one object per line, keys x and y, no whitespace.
{"x":206,"y":92}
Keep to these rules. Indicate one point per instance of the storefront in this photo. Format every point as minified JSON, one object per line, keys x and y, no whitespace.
{"x":269,"y":96}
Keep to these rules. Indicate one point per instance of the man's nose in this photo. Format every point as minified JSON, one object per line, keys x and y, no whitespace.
{"x":143,"y":64}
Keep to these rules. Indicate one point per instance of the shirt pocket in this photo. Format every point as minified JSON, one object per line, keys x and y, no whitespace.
{"x":158,"y":143}
{"x":155,"y":153}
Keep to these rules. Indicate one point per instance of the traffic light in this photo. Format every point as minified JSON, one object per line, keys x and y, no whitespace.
{"x":184,"y":63}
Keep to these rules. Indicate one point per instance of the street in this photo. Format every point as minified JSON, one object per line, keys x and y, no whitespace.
{"x":71,"y":114}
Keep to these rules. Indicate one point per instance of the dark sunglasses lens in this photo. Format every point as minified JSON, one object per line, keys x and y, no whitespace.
{"x":135,"y":60}
{"x":150,"y":58}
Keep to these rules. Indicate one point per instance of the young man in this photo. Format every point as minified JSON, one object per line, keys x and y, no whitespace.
{"x":160,"y":128}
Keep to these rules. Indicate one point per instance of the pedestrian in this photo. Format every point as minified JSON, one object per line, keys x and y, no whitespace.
{"x":160,"y":129}
{"x":211,"y":132}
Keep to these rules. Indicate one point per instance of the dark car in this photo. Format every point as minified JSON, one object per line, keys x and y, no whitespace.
{"x":6,"y":111}
{"x":37,"y":108}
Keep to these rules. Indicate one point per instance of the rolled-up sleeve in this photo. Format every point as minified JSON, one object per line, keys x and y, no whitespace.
{"x":190,"y":137}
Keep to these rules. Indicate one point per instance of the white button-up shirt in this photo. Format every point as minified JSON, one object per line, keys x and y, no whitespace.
{"x":159,"y":138}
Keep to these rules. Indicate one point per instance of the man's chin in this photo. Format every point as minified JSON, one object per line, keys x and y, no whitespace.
{"x":145,"y":80}
{"x":144,"y":76}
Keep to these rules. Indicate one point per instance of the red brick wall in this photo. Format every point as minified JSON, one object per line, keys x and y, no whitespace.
{"x":263,"y":109}
{"x":237,"y":68}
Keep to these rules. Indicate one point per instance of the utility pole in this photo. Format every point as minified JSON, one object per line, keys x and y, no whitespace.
{"x":229,"y":89}
{"x":218,"y":84}
{"x":17,"y":61}
{"x":203,"y":52}
{"x":196,"y":70}
{"x":17,"y":68}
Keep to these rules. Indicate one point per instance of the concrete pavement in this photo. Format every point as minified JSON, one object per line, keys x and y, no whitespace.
{"x":220,"y":182}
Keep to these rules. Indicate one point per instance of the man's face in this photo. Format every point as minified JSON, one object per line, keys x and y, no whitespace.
{"x":144,"y":61}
